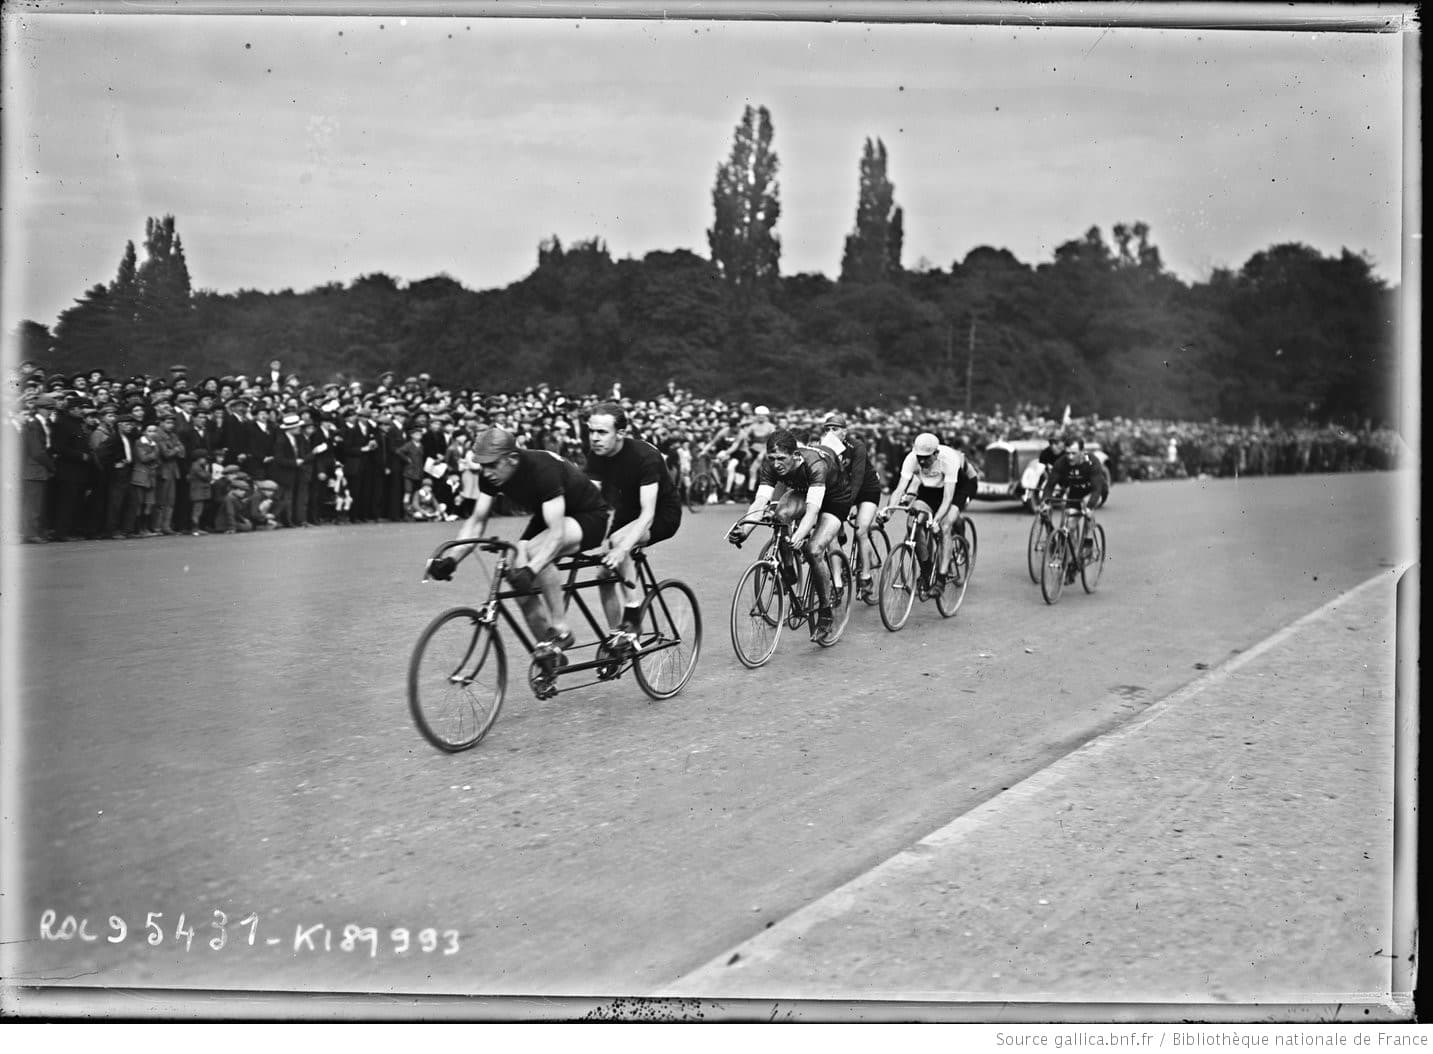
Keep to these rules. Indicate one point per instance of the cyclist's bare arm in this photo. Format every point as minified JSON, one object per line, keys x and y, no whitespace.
{"x":474,"y":525}
{"x":900,"y":492}
{"x":622,"y":540}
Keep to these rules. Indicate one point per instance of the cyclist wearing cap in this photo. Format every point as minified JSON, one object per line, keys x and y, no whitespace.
{"x":569,"y":515}
{"x":865,"y":486}
{"x":936,"y":470}
{"x":808,"y":481}
{"x":1077,"y":474}
{"x":646,"y":506}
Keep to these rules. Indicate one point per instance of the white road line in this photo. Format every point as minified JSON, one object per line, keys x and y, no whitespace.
{"x":771,"y":942}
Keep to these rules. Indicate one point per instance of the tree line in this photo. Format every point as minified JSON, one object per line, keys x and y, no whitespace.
{"x":1292,"y":335}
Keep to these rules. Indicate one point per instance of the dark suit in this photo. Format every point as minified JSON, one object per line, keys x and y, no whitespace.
{"x":325,"y":452}
{"x":70,"y":447}
{"x":355,"y":461}
{"x":284,"y":469}
{"x":118,"y":458}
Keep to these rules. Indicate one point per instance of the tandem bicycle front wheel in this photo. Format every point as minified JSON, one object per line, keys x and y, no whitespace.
{"x":457,"y":679}
{"x":669,"y":639}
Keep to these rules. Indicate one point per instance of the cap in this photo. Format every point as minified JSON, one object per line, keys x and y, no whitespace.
{"x":492,"y":445}
{"x":762,"y":411}
{"x":925,"y":445}
{"x":834,"y":420}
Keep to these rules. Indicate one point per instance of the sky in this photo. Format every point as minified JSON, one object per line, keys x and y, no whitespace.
{"x":299,"y":151}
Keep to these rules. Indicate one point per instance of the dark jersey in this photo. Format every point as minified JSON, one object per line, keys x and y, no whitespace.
{"x":860,"y":471}
{"x":1076,"y":473}
{"x":623,"y":475}
{"x":541,"y":476}
{"x":819,"y":467}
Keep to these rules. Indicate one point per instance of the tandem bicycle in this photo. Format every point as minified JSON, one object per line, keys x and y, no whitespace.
{"x":458,"y":674}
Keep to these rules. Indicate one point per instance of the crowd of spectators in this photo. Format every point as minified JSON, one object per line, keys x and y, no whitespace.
{"x":150,"y":456}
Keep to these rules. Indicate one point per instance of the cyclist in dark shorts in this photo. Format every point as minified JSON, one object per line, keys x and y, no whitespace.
{"x":646,"y":507}
{"x":569,"y":516}
{"x":865,"y":486}
{"x":1077,"y":474}
{"x":943,"y":486}
{"x":808,"y":482}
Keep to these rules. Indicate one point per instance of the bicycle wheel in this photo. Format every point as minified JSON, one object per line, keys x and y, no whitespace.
{"x":1093,"y":561}
{"x":757,"y":607}
{"x":1035,"y":547}
{"x":669,"y":640}
{"x":1052,"y":568}
{"x":457,"y":678}
{"x":972,"y":542}
{"x":950,"y":595}
{"x":842,"y":586}
{"x":898,"y":587}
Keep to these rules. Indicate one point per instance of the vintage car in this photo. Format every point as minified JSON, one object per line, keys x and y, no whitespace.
{"x":1012,"y":472}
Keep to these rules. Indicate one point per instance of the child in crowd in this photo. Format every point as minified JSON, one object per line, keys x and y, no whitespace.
{"x":142,"y":479}
{"x":411,"y":454}
{"x":423,"y":506}
{"x":200,"y":489}
{"x":233,"y":513}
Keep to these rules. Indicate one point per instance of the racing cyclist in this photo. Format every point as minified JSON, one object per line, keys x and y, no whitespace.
{"x":808,"y":482}
{"x":865,"y":486}
{"x":942,"y":488}
{"x":1078,"y":475}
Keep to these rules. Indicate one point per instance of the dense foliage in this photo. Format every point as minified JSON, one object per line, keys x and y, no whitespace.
{"x":1291,"y":336}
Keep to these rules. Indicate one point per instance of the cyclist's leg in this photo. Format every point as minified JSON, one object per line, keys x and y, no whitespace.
{"x":546,"y":615}
{"x":617,"y":603}
{"x":865,"y":516}
{"x":827,"y":527}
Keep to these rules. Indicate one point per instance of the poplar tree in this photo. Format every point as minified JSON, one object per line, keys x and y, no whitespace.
{"x":746,"y":204}
{"x":873,"y":249}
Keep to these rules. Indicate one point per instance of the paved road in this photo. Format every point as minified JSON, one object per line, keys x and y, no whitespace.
{"x":219,"y":724}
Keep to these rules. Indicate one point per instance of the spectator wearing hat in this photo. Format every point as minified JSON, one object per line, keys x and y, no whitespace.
{"x":38,"y":469}
{"x":100,"y":437}
{"x":375,"y":464}
{"x":232,"y":514}
{"x":285,"y":471}
{"x":119,"y":458}
{"x":324,"y":447}
{"x":166,"y":484}
{"x":143,"y":476}
{"x":70,"y":447}
{"x":236,"y":438}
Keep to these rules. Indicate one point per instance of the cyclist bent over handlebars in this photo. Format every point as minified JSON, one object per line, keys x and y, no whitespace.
{"x":808,"y":482}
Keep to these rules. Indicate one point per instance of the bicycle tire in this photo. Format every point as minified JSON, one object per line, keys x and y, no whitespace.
{"x":1052,"y":568}
{"x":972,"y":541}
{"x":842,"y":586}
{"x":1091,"y":569}
{"x":757,"y":612}
{"x":1036,"y":545}
{"x":669,"y":640}
{"x":898,"y":587}
{"x":447,"y":712}
{"x":950,"y":596}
